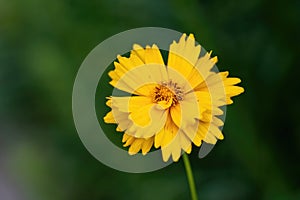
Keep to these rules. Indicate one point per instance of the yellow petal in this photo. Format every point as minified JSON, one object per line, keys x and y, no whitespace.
{"x":166,"y":134}
{"x":194,"y":105}
{"x":179,"y":142}
{"x":139,"y":51}
{"x":109,"y":118}
{"x":125,"y":137}
{"x":121,"y":118}
{"x":130,"y":104}
{"x":119,"y":129}
{"x":176,"y":150}
{"x":214,"y":130}
{"x":197,"y":140}
{"x":175,"y":112}
{"x":217,"y":121}
{"x":144,"y":66}
{"x":146,"y":145}
{"x":153,"y":55}
{"x":173,"y":149}
{"x":233,"y":90}
{"x":132,"y":81}
{"x":135,"y":147}
{"x":221,"y":87}
{"x":129,"y":141}
{"x":189,"y":149}
{"x":204,"y":105}
{"x":183,"y":55}
{"x":228,"y":101}
{"x":108,"y":102}
{"x":172,"y":140}
{"x":147,"y":121}
{"x":185,"y":142}
{"x":165,"y":104}
{"x":191,"y":131}
{"x":210,"y":138}
{"x":231,"y":81}
{"x":208,"y":132}
{"x":202,"y":129}
{"x":205,"y":65}
{"x":137,"y":144}
{"x":137,"y":115}
{"x":195,"y":78}
{"x":141,"y":116}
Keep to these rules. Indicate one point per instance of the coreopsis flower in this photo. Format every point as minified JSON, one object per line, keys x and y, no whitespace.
{"x":170,"y":106}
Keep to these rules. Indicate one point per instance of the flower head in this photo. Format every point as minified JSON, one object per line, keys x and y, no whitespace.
{"x":173,"y":105}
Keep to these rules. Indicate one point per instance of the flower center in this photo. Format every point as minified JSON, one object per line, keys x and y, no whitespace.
{"x":168,"y":91}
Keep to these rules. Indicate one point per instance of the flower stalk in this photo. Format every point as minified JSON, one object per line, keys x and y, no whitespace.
{"x":189,"y":174}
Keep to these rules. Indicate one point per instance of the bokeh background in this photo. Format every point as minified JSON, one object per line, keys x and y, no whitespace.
{"x":42,"y":44}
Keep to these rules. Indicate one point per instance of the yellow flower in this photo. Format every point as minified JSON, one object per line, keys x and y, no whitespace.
{"x":171,"y":106}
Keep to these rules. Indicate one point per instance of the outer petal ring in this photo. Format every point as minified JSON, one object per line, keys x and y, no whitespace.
{"x":83,"y":99}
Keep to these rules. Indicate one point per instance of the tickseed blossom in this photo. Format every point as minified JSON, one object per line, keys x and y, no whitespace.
{"x":170,"y":106}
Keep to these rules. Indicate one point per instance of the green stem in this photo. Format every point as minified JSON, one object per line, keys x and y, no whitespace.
{"x":189,"y":174}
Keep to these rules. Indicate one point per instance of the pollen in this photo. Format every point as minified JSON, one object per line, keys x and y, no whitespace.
{"x":168,"y":91}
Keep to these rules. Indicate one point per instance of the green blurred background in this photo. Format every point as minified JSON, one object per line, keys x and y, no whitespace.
{"x":42,"y":45}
